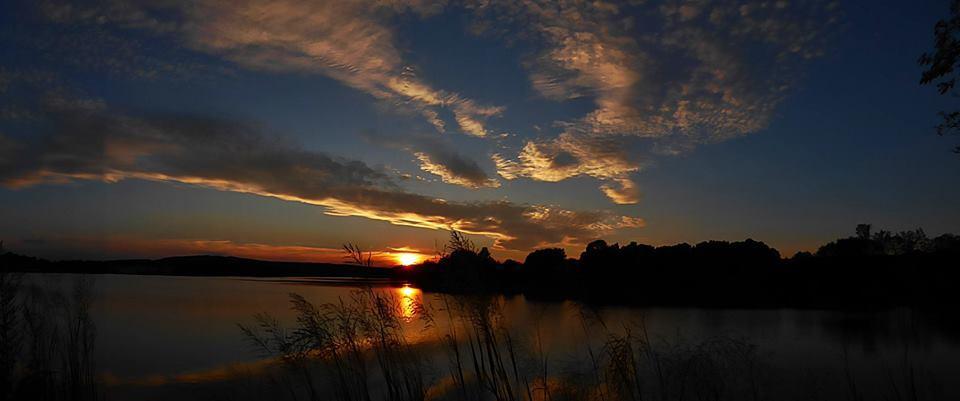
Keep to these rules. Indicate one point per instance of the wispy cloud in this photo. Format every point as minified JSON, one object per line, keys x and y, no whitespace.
{"x":96,"y":144}
{"x":437,"y":156}
{"x":456,"y":170}
{"x":349,"y":41}
{"x":569,"y":156}
{"x":625,"y":193}
{"x":676,"y":74}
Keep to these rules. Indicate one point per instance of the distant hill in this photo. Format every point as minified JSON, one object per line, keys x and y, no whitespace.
{"x":198,"y":265}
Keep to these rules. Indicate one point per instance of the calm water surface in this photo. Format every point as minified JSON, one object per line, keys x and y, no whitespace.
{"x":152,"y":329}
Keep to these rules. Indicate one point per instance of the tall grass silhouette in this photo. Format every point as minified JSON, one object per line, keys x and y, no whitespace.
{"x":360,"y":349}
{"x":353,"y":347}
{"x":47,"y":338}
{"x":357,"y":349}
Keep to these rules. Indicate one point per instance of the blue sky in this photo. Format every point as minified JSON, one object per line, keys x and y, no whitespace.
{"x":282,"y":130}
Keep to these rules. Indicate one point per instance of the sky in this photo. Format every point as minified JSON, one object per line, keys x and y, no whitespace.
{"x":284,"y":129}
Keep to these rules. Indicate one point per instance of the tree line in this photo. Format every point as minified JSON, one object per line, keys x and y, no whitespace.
{"x":881,"y":268}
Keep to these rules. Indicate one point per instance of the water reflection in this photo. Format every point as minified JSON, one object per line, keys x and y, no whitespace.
{"x":178,"y":327}
{"x":410,"y":298}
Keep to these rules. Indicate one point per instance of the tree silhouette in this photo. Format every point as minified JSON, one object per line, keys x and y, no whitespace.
{"x":941,"y":66}
{"x":867,"y":268}
{"x":545,"y":261}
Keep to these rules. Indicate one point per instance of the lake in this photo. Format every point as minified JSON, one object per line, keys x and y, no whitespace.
{"x":159,"y":337}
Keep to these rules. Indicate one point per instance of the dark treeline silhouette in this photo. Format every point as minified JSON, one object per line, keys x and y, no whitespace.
{"x":877,"y":269}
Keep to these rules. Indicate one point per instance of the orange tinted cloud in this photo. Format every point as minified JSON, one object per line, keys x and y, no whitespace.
{"x":570,"y":156}
{"x":230,"y":156}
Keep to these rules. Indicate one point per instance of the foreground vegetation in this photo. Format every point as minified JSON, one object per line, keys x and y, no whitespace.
{"x":461,"y":345}
{"x":362,"y":349}
{"x":46,"y":340}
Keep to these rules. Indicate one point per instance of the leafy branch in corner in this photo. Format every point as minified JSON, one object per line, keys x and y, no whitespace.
{"x":941,"y":66}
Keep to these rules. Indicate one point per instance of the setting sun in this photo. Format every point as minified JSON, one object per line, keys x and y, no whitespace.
{"x":407,"y":259}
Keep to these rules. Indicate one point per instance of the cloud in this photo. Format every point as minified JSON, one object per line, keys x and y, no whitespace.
{"x":669,"y":76}
{"x":454,"y":169}
{"x":570,"y":156}
{"x":94,"y":144}
{"x":349,"y":41}
{"x":704,"y":70}
{"x":626,"y":194}
{"x":675,"y":74}
{"x":437,"y":156}
{"x":92,"y":42}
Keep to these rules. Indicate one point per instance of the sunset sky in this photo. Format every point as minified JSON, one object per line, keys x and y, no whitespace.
{"x":283,"y":129}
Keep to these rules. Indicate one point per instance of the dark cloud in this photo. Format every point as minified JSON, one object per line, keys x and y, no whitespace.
{"x":93,"y":143}
{"x":674,"y":73}
{"x":438,"y":156}
{"x":85,"y":143}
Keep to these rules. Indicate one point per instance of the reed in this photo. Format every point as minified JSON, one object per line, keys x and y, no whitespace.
{"x":356,"y":347}
{"x":47,"y":339}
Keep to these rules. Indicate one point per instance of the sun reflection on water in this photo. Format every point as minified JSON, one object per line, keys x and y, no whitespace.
{"x":410,"y":298}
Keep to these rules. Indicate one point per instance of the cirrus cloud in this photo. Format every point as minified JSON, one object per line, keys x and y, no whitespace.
{"x":675,"y":74}
{"x":349,"y":41}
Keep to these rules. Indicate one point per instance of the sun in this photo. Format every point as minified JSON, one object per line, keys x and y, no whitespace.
{"x":407,"y":259}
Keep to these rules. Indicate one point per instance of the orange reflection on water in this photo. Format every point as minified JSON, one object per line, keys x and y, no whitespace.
{"x":410,"y":299}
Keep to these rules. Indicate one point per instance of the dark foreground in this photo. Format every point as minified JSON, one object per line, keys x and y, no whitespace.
{"x":136,"y":337}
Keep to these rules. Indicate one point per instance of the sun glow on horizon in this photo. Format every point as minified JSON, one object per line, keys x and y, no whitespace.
{"x":407,"y":259}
